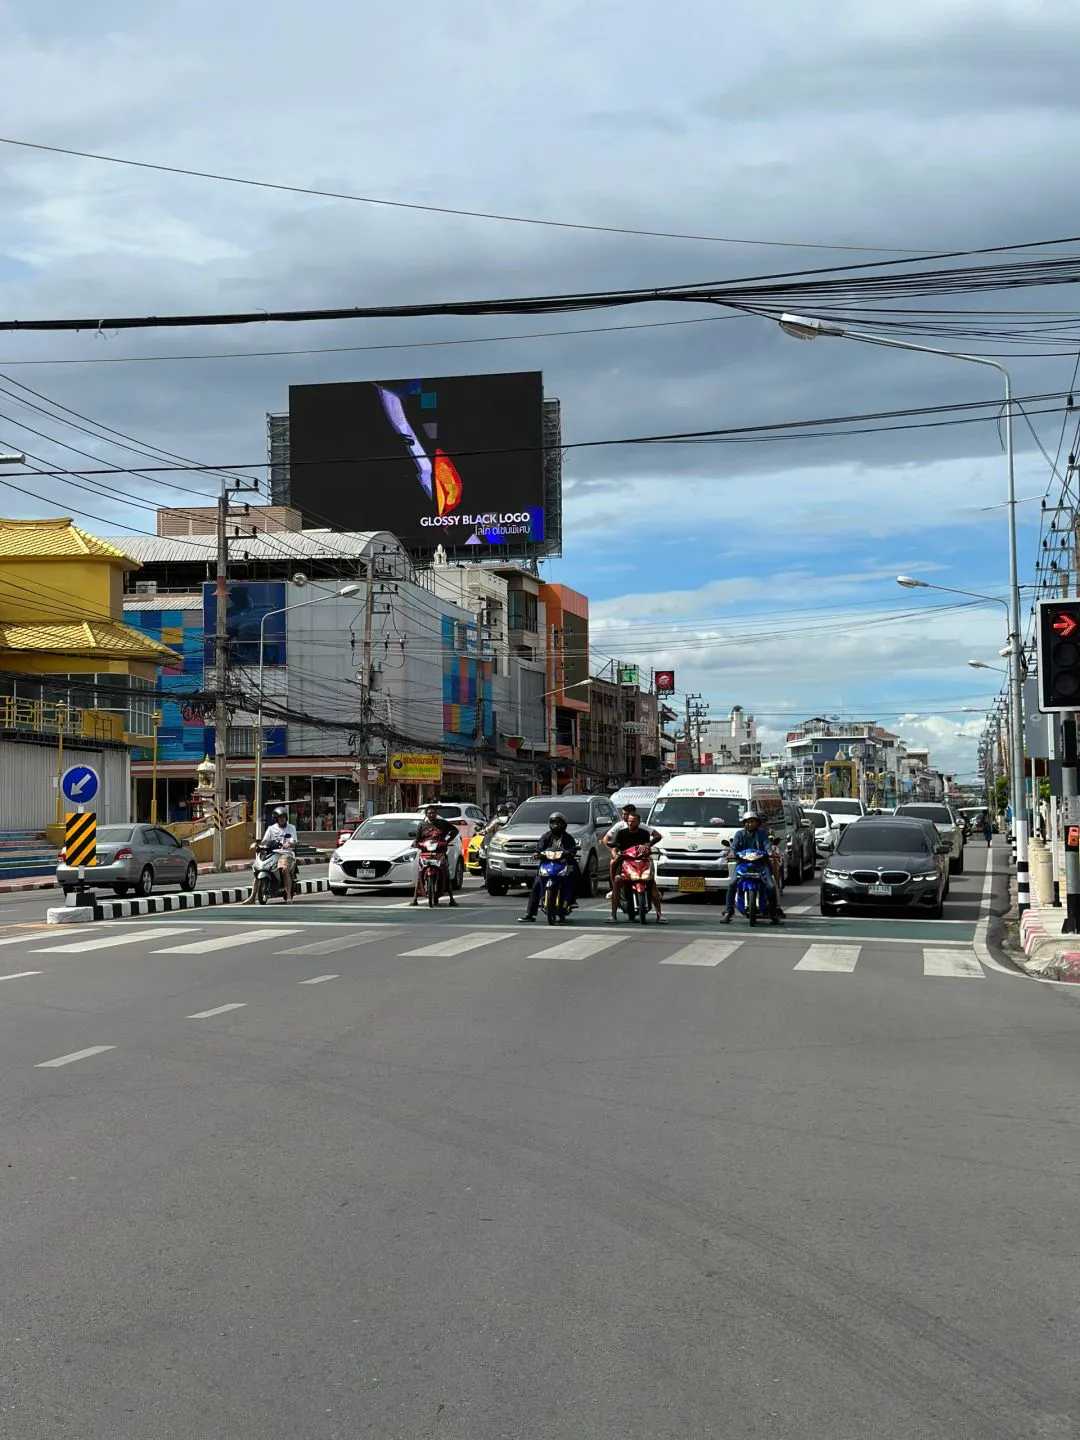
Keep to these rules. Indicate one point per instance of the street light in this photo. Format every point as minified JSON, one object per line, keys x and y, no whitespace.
{"x":982,"y":665}
{"x":561,"y":689}
{"x":808,"y":328}
{"x":342,"y":594}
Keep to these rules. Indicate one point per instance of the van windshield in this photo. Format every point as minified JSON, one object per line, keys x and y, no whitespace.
{"x":697,"y":810}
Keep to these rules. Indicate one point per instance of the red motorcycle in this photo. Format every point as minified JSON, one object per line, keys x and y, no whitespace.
{"x":633,"y":883}
{"x":434,"y":869}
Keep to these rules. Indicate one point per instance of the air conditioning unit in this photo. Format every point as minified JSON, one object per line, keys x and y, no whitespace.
{"x":145,"y":587}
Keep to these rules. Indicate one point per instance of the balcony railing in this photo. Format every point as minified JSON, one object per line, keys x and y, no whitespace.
{"x":46,"y":717}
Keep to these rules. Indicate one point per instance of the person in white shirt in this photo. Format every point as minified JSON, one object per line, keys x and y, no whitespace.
{"x":282,"y":836}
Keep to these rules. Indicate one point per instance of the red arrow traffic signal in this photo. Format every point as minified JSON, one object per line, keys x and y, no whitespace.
{"x":1065,"y":624}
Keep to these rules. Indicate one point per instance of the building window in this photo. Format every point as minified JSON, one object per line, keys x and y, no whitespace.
{"x":522,"y":610}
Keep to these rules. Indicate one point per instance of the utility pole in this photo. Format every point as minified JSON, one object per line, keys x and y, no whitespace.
{"x":221,"y":668}
{"x":695,"y":760}
{"x":365,"y":679}
{"x":1069,"y":785}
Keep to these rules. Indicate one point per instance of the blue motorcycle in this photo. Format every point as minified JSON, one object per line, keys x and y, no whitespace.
{"x":751,"y":888}
{"x":555,"y":874}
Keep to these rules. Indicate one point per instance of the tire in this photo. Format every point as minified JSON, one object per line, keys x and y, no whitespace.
{"x":751,"y":905}
{"x":643,"y":906}
{"x":432,"y":886}
{"x":120,"y":890}
{"x":498,"y":888}
{"x":794,"y":877}
{"x":338,"y":890}
{"x":957,"y":866}
{"x":262,"y":889}
{"x":948,"y":887}
{"x":191,"y":876}
{"x":587,"y":883}
{"x":938,"y":910}
{"x":145,"y":884}
{"x":551,"y":904}
{"x":459,"y":875}
{"x":827,"y":909}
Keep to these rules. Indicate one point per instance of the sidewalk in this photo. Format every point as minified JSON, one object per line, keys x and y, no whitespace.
{"x":1046,"y":951}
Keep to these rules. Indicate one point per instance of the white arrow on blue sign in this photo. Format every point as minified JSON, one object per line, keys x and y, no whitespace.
{"x":80,"y":784}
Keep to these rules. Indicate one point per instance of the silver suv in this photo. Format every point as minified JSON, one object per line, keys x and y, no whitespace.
{"x":948,"y":824}
{"x":511,"y":854}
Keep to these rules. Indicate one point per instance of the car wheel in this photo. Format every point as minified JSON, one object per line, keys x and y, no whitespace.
{"x":938,"y":910}
{"x":497,"y":887}
{"x":120,"y":890}
{"x":794,"y":876}
{"x":587,"y":887}
{"x":945,"y":892}
{"x":959,"y":867}
{"x":338,"y":890}
{"x":459,"y":875}
{"x":191,"y":876}
{"x":145,"y":882}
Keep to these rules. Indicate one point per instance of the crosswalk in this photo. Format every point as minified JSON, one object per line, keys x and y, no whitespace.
{"x":667,"y":950}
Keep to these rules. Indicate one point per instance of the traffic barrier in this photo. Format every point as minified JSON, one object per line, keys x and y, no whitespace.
{"x":185,"y":900}
{"x":80,"y":838}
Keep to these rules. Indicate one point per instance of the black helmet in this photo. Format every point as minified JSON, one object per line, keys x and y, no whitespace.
{"x":505,"y":808}
{"x":557,"y":820}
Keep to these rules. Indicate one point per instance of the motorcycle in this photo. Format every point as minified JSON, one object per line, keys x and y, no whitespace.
{"x":751,"y":891}
{"x":633,"y":882}
{"x":268,"y":880}
{"x":432,"y":862}
{"x":554,"y":869}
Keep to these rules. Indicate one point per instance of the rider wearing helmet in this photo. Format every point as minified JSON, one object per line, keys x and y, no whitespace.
{"x":500,"y":818}
{"x":555,"y":837}
{"x":434,"y":827}
{"x":753,"y":835}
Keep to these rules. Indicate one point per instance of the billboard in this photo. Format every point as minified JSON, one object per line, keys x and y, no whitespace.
{"x":413,"y":767}
{"x":250,"y":604}
{"x":453,"y":460}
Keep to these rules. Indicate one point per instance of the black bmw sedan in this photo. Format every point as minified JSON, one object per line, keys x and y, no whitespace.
{"x":887,"y":862}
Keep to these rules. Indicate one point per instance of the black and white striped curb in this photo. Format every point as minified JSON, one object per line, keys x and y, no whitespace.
{"x":189,"y":900}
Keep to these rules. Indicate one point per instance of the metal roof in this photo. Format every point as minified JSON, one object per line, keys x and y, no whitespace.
{"x":187,"y":601}
{"x":279,"y":545}
{"x":85,"y":637}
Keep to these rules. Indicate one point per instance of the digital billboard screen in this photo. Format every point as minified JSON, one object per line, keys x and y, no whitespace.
{"x":454,"y":460}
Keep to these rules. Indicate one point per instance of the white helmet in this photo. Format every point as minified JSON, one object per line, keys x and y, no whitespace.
{"x":750,"y":815}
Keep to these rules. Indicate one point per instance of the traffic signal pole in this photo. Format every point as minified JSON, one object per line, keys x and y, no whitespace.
{"x":1071,"y":924}
{"x":1016,"y":647}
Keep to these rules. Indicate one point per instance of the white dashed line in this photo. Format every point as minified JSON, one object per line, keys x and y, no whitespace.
{"x":954,"y":964}
{"x":319,"y":979}
{"x":224,"y":942}
{"x":703,"y":952}
{"x":218,"y":1010}
{"x":839,"y":959}
{"x":107,"y":942}
{"x":75,"y":1055}
{"x":21,"y":974}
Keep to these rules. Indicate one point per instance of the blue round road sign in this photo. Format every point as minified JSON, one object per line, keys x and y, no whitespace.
{"x":79,"y":784}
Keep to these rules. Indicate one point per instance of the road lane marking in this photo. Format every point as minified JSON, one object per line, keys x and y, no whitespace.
{"x":218,"y":1010}
{"x":458,"y":945}
{"x":838,"y":959}
{"x":579,"y":948}
{"x":954,"y":963}
{"x":105,"y":942}
{"x":336,"y":942}
{"x":28,"y":936}
{"x":703,"y":952}
{"x":75,"y":1055}
{"x":21,"y":974}
{"x":800,"y":909}
{"x":224,"y":942}
{"x":319,"y":979}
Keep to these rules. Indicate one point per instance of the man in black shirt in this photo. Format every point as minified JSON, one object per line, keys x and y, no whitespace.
{"x":625,"y":837}
{"x":555,"y":837}
{"x":434,"y":827}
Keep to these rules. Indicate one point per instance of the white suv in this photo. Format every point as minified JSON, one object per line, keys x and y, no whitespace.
{"x":946,"y":822}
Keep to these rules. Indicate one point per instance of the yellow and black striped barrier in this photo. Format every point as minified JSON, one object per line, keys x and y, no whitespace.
{"x":80,"y":838}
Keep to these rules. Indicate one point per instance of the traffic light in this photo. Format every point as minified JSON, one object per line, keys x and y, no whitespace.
{"x":1059,"y":655}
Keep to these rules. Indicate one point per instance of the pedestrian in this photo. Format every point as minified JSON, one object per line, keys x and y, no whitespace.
{"x":988,"y":829}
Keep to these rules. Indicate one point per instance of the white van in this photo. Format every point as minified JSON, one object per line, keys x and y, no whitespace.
{"x":695,"y":814}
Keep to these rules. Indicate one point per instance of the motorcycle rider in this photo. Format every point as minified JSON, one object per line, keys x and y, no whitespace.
{"x":752,"y":836}
{"x":623,"y":837}
{"x":281,"y":836}
{"x":555,"y":837}
{"x":434,"y":827}
{"x":500,"y":818}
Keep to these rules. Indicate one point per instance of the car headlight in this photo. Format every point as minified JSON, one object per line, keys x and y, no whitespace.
{"x":836,"y":875}
{"x":402,"y":859}
{"x":930,"y":875}
{"x":497,"y":843}
{"x":335,"y":858}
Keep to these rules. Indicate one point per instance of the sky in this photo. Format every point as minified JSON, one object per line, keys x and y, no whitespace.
{"x":764,"y":574}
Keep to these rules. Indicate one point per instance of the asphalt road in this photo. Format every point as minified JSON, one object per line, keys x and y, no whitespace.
{"x":348,"y":1169}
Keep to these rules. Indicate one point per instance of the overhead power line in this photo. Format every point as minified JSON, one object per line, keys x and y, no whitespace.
{"x":444,"y":209}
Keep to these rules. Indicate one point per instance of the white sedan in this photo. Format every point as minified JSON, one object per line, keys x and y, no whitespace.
{"x":381,"y":855}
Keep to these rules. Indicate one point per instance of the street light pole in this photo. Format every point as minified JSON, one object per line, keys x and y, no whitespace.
{"x":803,"y":328}
{"x":341,"y":594}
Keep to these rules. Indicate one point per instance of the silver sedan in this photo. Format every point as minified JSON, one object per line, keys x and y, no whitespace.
{"x":132,"y":857}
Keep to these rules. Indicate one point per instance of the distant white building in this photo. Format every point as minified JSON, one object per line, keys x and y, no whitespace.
{"x":732,"y":744}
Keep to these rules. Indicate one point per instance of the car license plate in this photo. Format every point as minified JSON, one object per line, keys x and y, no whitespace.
{"x":693,"y":883}
{"x":880,"y":889}
{"x":366,"y":872}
